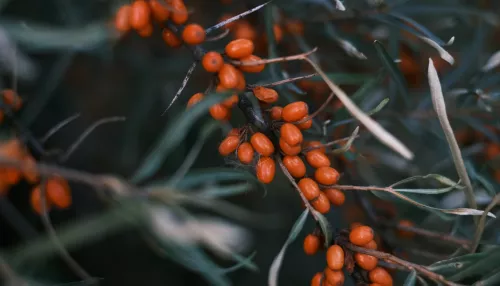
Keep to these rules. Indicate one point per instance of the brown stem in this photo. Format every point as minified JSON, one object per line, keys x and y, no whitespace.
{"x":274,"y":60}
{"x":276,"y":83}
{"x":331,"y":143}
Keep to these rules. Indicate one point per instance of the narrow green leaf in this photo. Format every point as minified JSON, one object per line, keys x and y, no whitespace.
{"x":379,"y":107}
{"x":492,"y":280}
{"x":451,"y":266}
{"x":411,"y":279}
{"x":479,"y":267}
{"x":225,"y":191}
{"x":326,"y":228}
{"x":393,"y":70}
{"x":240,"y":264}
{"x":442,"y":179}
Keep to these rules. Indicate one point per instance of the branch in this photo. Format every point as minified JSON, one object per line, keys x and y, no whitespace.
{"x":274,"y":60}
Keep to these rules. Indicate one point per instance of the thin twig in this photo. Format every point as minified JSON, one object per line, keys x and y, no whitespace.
{"x":183,"y":85}
{"x":284,"y":81}
{"x":218,"y":37}
{"x":331,"y":143}
{"x":235,"y":18}
{"x":58,"y":127}
{"x":274,"y":60}
{"x":482,"y":220}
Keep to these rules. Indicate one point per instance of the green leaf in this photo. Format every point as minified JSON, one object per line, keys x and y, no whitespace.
{"x":491,"y":280}
{"x":225,"y":191}
{"x":411,"y":279}
{"x":173,"y":135}
{"x":451,"y":266}
{"x":240,"y":264}
{"x":393,"y":70}
{"x":346,"y":78}
{"x":479,"y":267}
{"x":326,"y":228}
{"x":442,"y":179}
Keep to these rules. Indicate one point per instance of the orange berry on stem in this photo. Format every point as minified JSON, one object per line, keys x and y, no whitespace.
{"x":193,"y":34}
{"x":291,"y":134}
{"x":381,"y":276}
{"x":366,"y":262}
{"x":403,"y":233}
{"x":12,"y":99}
{"x":317,"y":159}
{"x":253,"y":68}
{"x":334,"y":277}
{"x":197,"y":97}
{"x":289,"y":150}
{"x":335,"y":196}
{"x":311,"y":244}
{"x":229,"y":145}
{"x":30,"y":174}
{"x":179,"y":12}
{"x":278,"y":33}
{"x":243,"y":30}
{"x":245,"y":153}
{"x":228,"y":76}
{"x":239,"y":48}
{"x":122,"y":18}
{"x":309,"y":188}
{"x":58,"y":192}
{"x":361,"y":235}
{"x":36,"y":200}
{"x":262,"y":144}
{"x":140,"y":15}
{"x":295,"y":111}
{"x":295,"y":166}
{"x":335,"y":257}
{"x":146,"y":31}
{"x":305,"y":125}
{"x":316,"y":280}
{"x":265,"y":94}
{"x":170,"y":38}
{"x":212,"y":61}
{"x":321,"y":204}
{"x":160,"y":12}
{"x":326,"y":175}
{"x":242,"y":84}
{"x":371,"y":245}
{"x":276,"y":112}
{"x":219,"y":111}
{"x":266,"y":169}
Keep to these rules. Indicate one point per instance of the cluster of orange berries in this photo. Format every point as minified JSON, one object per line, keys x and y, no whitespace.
{"x":333,"y":275}
{"x":11,"y":99}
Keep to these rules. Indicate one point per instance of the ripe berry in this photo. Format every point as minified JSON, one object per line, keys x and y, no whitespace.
{"x":361,"y":235}
{"x":245,"y":153}
{"x":212,"y":61}
{"x":317,"y":159}
{"x":326,"y":176}
{"x":197,"y":97}
{"x":278,"y":33}
{"x":12,"y":99}
{"x":291,"y":134}
{"x":122,"y":19}
{"x":316,"y":280}
{"x":266,"y":168}
{"x":305,"y":125}
{"x":311,"y":244}
{"x":36,"y":201}
{"x":140,"y":15}
{"x":492,"y":150}
{"x":146,"y":31}
{"x":371,"y":245}
{"x":295,"y":111}
{"x":309,"y":189}
{"x":228,"y":76}
{"x":276,"y":112}
{"x":335,"y":257}
{"x":239,"y":48}
{"x":229,"y":145}
{"x":366,"y":262}
{"x":315,"y":144}
{"x":289,"y":150}
{"x":241,"y":85}
{"x":219,"y":111}
{"x":334,"y":277}
{"x":381,"y":276}
{"x":265,"y":94}
{"x":244,"y":30}
{"x":295,"y":166}
{"x":193,"y":34}
{"x":321,"y":204}
{"x":160,"y":12}
{"x":405,"y":234}
{"x":58,"y":192}
{"x":179,"y":12}
{"x":253,"y":68}
{"x":30,"y":173}
{"x":170,"y":38}
{"x":336,"y":197}
{"x":262,"y":144}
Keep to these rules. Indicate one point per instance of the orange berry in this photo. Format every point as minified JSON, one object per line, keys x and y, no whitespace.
{"x":381,"y":276}
{"x":311,"y":244}
{"x":122,"y":18}
{"x":193,"y":34}
{"x":289,"y":150}
{"x":229,"y":145}
{"x":253,"y":68}
{"x":242,"y":84}
{"x":295,"y":111}
{"x":10,"y":175}
{"x":197,"y":97}
{"x":243,"y":30}
{"x":245,"y":153}
{"x":234,"y":132}
{"x":262,"y":144}
{"x":366,"y":262}
{"x":36,"y":201}
{"x":315,"y":144}
{"x":403,"y":233}
{"x":295,"y":166}
{"x":361,"y":235}
{"x":160,"y":12}
{"x":309,"y":189}
{"x":212,"y":61}
{"x":335,"y":257}
{"x":146,"y":31}
{"x":140,"y":15}
{"x":276,"y":112}
{"x":219,"y":111}
{"x":321,"y":204}
{"x":316,"y":280}
{"x":336,"y":197}
{"x":305,"y":125}
{"x":492,"y":150}
{"x":266,"y":168}
{"x":231,"y":101}
{"x":179,"y":14}
{"x":294,"y":27}
{"x":12,"y":99}
{"x":278,"y":33}
{"x":317,"y":159}
{"x":228,"y":76}
{"x":291,"y":134}
{"x":58,"y":192}
{"x":371,"y":245}
{"x":265,"y":94}
{"x":239,"y":48}
{"x":326,"y":176}
{"x":170,"y":38}
{"x":334,"y":277}
{"x":30,"y":174}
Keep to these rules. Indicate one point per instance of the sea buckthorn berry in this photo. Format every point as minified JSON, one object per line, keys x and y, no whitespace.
{"x":381,"y":276}
{"x":234,"y":132}
{"x":253,"y":68}
{"x":239,"y":48}
{"x":321,"y":204}
{"x":361,"y":235}
{"x":242,"y":83}
{"x":245,"y":153}
{"x":266,"y":168}
{"x":276,"y":112}
{"x":278,"y":33}
{"x":334,"y":277}
{"x":289,"y":150}
{"x":140,"y":15}
{"x":295,"y":166}
{"x":336,"y":197}
{"x":315,"y":144}
{"x":243,"y":30}
{"x":311,"y":244}
{"x":160,"y":12}
{"x":146,"y":31}
{"x":212,"y":61}
{"x":295,"y":111}
{"x":305,"y":125}
{"x":58,"y":192}
{"x":170,"y":38}
{"x":403,"y":233}
{"x":492,"y":150}
{"x":371,"y":245}
{"x":229,"y":145}
{"x":197,"y":97}
{"x":309,"y":188}
{"x":193,"y":34}
{"x":12,"y":99}
{"x":231,"y":101}
{"x":179,"y":12}
{"x":122,"y":18}
{"x":291,"y":134}
{"x":219,"y":112}
{"x":228,"y":76}
{"x":30,"y":173}
{"x":265,"y":94}
{"x":262,"y":144}
{"x":335,"y":257}
{"x":317,"y":159}
{"x":36,"y":200}
{"x":326,"y":176}
{"x":316,"y":280}
{"x":366,"y":262}
{"x":11,"y":176}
